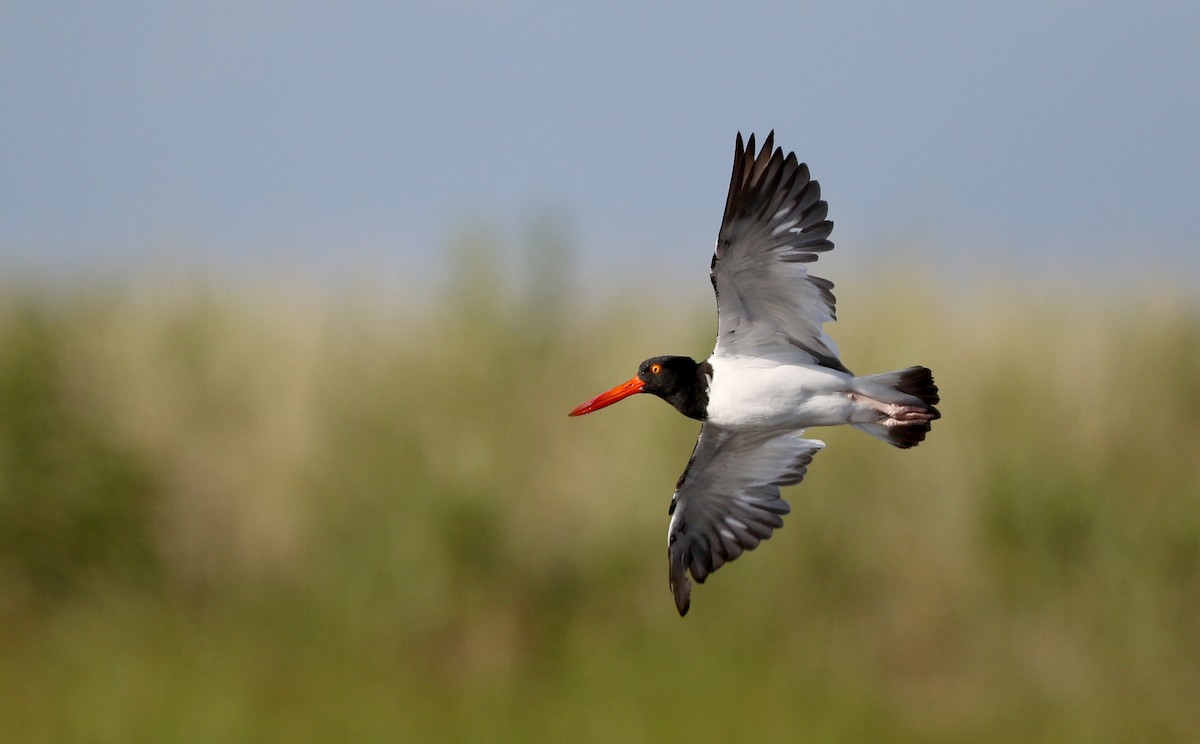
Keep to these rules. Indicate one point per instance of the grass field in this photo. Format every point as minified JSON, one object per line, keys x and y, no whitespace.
{"x":258,"y":514}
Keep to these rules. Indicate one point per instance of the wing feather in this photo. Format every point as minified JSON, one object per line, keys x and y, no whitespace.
{"x":728,"y":501}
{"x":774,"y":223}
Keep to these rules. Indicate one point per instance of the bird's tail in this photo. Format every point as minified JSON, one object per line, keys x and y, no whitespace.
{"x":905,"y":400}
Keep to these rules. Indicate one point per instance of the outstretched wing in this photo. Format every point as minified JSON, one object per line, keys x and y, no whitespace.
{"x":727,"y":500}
{"x":767,"y":302}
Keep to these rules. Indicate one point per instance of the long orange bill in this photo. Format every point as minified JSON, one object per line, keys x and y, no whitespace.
{"x":624,"y":390}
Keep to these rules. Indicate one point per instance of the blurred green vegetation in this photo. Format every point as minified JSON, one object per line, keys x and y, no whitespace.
{"x":266,"y":513}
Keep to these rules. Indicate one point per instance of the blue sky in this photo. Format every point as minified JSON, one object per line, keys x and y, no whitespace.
{"x":1026,"y":136}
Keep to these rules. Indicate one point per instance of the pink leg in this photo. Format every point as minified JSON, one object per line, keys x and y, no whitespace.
{"x":894,"y":414}
{"x":906,"y":415}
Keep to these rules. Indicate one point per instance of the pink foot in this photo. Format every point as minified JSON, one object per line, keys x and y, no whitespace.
{"x":898,"y":415}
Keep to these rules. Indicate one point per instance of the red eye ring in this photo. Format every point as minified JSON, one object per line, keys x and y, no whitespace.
{"x":655,"y":368}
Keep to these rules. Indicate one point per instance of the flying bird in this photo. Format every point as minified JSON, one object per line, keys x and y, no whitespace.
{"x":773,"y":373}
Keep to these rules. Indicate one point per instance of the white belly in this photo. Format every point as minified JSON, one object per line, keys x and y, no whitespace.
{"x":749,"y":393}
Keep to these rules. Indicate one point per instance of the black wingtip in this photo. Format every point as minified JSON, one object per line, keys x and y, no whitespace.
{"x":681,"y":586}
{"x":683,"y":597}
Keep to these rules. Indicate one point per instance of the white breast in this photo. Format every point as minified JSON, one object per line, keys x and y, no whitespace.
{"x":748,"y":393}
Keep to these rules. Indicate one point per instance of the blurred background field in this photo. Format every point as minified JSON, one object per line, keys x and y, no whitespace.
{"x":279,"y":463}
{"x":248,"y":512}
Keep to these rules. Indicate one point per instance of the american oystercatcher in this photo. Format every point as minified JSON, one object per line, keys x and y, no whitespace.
{"x":774,"y":372}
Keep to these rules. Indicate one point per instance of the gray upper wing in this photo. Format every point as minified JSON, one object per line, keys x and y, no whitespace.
{"x":774,"y":223}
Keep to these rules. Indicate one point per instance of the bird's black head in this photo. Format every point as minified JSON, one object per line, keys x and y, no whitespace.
{"x":679,"y":380}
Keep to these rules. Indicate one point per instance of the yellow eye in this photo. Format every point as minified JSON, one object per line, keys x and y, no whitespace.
{"x":655,"y":368}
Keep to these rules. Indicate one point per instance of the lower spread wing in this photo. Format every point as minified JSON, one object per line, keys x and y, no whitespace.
{"x":727,"y":500}
{"x":774,"y":223}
